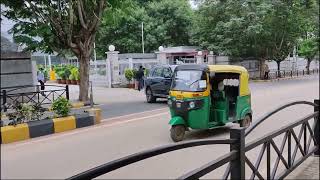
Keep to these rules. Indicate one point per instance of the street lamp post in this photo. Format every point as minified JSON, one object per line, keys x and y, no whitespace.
{"x":142,"y":39}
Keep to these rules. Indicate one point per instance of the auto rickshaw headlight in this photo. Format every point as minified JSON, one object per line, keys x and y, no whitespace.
{"x":192,"y":105}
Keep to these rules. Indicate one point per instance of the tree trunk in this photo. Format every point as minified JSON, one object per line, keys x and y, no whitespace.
{"x":84,"y":77}
{"x":308,"y":65}
{"x":261,"y":65}
{"x":278,"y":64}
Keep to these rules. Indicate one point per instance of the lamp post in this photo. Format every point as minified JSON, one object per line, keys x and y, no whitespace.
{"x":142,"y":39}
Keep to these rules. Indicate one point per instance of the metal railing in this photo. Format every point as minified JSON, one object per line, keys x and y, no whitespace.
{"x":43,"y":97}
{"x":286,"y":73}
{"x":237,"y":157}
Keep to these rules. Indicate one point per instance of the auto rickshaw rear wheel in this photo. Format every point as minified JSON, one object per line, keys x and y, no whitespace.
{"x":246,"y":121}
{"x":177,"y":132}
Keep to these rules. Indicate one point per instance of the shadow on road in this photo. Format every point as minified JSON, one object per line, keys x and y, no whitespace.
{"x":206,"y":134}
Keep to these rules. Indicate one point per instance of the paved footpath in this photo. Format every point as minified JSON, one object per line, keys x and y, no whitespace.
{"x":307,"y":170}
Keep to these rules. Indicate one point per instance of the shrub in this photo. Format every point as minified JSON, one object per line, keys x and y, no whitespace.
{"x":74,"y":73}
{"x":61,"y":107}
{"x":24,"y":112}
{"x":128,"y":73}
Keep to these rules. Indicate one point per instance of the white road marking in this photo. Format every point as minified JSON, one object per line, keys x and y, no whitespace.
{"x":132,"y":114}
{"x":76,"y":131}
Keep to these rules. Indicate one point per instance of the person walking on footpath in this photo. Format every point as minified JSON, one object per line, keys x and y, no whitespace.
{"x":41,"y":80}
{"x":266,"y":71}
{"x":140,"y":75}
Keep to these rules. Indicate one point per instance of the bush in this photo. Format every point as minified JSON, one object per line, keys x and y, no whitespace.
{"x":128,"y":73}
{"x":74,"y":74}
{"x":61,"y":107}
{"x":24,"y":112}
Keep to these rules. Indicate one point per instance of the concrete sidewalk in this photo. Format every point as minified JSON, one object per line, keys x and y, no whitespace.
{"x":307,"y":170}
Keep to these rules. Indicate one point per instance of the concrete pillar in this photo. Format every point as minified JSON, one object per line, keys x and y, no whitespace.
{"x":49,"y":61}
{"x":162,"y":58}
{"x":199,"y":58}
{"x":112,"y":57}
{"x":130,"y":63}
{"x":211,"y":58}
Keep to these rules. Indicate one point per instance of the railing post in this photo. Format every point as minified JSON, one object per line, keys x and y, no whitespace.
{"x":303,"y":72}
{"x":91,"y":95}
{"x":237,"y":166}
{"x":317,"y":129}
{"x":291,"y":73}
{"x":4,"y":100}
{"x":67,"y":92}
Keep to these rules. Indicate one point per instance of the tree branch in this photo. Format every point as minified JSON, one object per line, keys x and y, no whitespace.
{"x":97,"y":20}
{"x":83,"y":24}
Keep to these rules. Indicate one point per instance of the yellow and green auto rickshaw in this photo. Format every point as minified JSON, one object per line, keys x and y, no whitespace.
{"x":208,"y":96}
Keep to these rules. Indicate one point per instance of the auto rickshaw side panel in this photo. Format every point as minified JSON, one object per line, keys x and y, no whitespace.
{"x":243,"y":106}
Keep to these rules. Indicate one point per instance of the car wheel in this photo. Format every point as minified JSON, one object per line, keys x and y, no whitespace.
{"x":149,"y":96}
{"x":177,"y":132}
{"x":246,"y":121}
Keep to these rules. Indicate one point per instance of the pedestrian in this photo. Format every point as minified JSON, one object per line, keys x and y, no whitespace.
{"x":266,"y":71}
{"x":41,"y":80}
{"x":140,"y":76}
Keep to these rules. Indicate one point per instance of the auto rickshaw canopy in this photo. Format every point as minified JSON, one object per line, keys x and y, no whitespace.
{"x":243,"y":79}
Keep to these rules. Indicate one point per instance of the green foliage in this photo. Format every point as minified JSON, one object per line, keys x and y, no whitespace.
{"x":263,"y":29}
{"x":308,"y":48}
{"x":128,"y":73}
{"x":61,"y":107}
{"x":25,"y":112}
{"x":74,"y":73}
{"x":165,"y":22}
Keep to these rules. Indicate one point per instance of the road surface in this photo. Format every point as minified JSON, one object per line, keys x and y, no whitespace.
{"x":65,"y":154}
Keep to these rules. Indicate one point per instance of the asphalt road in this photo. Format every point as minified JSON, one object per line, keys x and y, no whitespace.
{"x":65,"y":154}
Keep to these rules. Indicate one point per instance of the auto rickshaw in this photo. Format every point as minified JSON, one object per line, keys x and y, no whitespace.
{"x":207,"y":97}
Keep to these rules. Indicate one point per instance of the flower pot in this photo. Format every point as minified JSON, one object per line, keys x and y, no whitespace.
{"x":68,"y":81}
{"x":74,"y":82}
{"x":63,"y":81}
{"x":59,"y":81}
{"x":78,"y":82}
{"x":130,"y":86}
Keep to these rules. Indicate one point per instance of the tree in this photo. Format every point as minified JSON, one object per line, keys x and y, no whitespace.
{"x":308,"y":48}
{"x":60,"y":25}
{"x":264,"y":29}
{"x":121,"y":26}
{"x":165,"y":23}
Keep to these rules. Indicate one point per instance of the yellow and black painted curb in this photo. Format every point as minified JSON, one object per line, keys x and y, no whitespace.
{"x":49,"y":126}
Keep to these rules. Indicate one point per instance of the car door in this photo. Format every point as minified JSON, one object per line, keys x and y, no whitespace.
{"x":166,"y":81}
{"x":156,"y":82}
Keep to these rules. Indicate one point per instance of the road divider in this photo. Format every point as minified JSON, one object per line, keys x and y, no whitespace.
{"x":34,"y":129}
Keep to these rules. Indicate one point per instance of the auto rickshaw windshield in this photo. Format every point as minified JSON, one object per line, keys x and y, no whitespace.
{"x":186,"y":80}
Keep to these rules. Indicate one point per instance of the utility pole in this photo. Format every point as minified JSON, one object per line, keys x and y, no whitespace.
{"x":142,"y":38}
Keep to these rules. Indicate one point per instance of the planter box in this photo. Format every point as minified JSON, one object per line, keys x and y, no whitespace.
{"x":47,"y":126}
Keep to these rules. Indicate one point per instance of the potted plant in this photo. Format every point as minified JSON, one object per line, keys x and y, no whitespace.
{"x":67,"y":73}
{"x":61,"y":107}
{"x":128,"y":73}
{"x":73,"y":76}
{"x":135,"y":83}
{"x":59,"y":72}
{"x":78,"y":77}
